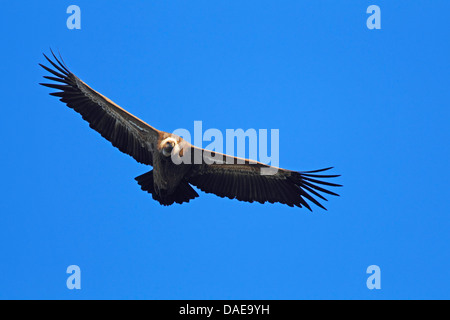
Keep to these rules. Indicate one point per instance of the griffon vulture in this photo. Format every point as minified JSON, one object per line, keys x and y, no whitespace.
{"x":169,"y":182}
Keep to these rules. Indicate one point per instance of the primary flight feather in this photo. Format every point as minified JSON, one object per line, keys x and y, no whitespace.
{"x":170,"y":182}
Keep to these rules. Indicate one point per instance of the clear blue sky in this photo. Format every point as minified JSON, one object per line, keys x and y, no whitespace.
{"x":372,"y":103}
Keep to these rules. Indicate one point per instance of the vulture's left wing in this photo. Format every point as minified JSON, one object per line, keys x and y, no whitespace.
{"x":246,"y":180}
{"x":128,"y":133}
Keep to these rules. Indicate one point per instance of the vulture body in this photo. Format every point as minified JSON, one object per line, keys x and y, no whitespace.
{"x":170,"y":181}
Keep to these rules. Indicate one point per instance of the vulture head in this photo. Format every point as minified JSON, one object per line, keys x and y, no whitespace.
{"x":168,"y":145}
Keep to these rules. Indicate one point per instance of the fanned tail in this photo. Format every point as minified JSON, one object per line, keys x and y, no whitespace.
{"x":183,"y":193}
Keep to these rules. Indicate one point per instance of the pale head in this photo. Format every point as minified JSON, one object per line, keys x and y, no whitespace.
{"x":167,"y":146}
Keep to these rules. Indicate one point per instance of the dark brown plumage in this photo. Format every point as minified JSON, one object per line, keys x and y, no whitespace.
{"x":169,"y":182}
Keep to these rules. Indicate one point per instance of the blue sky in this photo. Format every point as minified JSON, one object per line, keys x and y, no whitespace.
{"x":372,"y":103}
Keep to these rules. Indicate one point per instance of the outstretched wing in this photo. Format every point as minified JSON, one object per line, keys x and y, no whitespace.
{"x":244,"y":181}
{"x":125,"y":131}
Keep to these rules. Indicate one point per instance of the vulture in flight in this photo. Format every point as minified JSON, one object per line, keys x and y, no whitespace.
{"x":171,"y":181}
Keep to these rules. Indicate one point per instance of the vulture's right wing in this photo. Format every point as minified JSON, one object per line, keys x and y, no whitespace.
{"x":125,"y":131}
